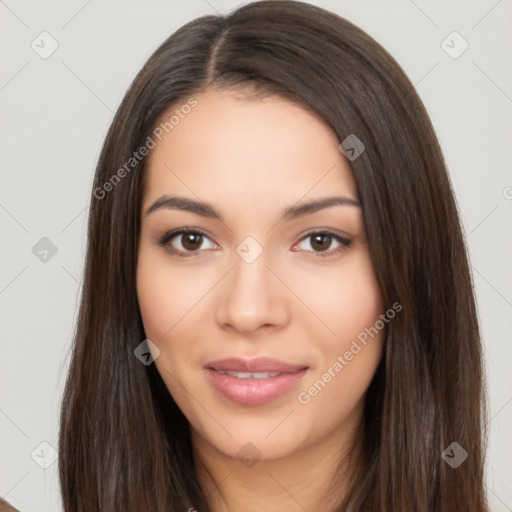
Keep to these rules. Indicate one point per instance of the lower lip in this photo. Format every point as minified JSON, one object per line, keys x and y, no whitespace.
{"x":254,"y":391}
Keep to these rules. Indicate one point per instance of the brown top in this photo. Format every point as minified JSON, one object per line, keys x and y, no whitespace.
{"x":5,"y":507}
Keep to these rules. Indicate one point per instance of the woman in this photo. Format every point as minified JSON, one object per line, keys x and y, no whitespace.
{"x":277,"y":309}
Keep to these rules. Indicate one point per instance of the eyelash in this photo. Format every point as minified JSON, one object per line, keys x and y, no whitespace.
{"x":167,"y":237}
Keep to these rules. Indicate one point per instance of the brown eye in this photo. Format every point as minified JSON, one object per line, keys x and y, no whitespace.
{"x":191,"y":241}
{"x":321,"y":243}
{"x":184,"y":242}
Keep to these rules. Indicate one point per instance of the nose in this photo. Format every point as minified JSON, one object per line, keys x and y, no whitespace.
{"x":251,"y":298}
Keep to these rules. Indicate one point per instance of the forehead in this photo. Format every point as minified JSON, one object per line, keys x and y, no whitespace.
{"x":239,"y":148}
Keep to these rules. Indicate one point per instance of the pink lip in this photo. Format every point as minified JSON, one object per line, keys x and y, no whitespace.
{"x":259,"y":364}
{"x":253,"y":391}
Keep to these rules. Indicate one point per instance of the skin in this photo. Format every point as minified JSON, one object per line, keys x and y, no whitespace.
{"x":251,"y":158}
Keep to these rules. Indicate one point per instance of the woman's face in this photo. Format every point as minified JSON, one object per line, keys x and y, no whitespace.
{"x":250,"y":282}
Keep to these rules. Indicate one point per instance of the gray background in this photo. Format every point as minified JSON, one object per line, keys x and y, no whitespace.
{"x":54,"y":116}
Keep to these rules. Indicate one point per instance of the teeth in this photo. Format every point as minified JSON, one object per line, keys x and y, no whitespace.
{"x":247,"y":375}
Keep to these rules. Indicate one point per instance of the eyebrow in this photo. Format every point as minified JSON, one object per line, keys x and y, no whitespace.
{"x":207,"y":210}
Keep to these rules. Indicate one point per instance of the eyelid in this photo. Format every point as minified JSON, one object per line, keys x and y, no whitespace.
{"x":169,"y":235}
{"x":344,"y":241}
{"x":164,"y":240}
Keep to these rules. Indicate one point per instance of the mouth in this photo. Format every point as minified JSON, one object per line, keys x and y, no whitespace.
{"x":249,"y":375}
{"x":256,"y":365}
{"x":253,"y":381}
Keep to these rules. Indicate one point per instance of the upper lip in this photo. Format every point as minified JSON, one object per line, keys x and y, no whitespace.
{"x":259,"y":364}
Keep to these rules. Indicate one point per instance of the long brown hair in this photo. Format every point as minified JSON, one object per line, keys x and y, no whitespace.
{"x":124,"y":443}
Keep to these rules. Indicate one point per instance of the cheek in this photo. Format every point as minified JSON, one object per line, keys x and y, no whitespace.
{"x":156,"y":305}
{"x":350,"y":304}
{"x":346,"y":299}
{"x":360,"y":301}
{"x":165,"y":295}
